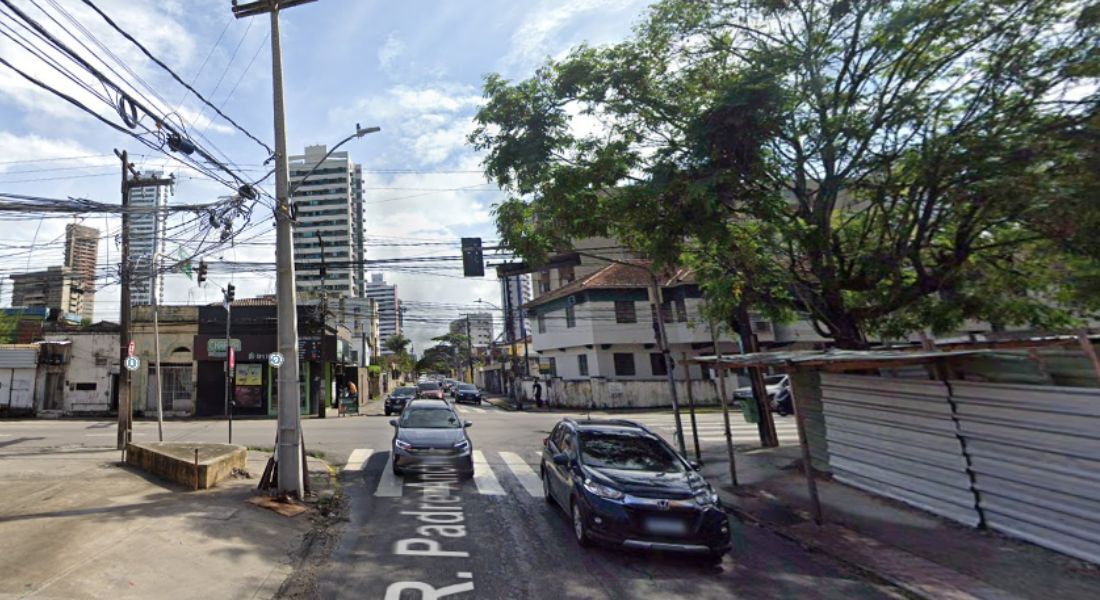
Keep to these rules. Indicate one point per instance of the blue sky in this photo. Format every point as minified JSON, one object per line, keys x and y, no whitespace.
{"x":414,"y":68}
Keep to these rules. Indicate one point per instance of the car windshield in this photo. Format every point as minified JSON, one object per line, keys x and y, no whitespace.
{"x":628,"y":452}
{"x":774,"y":379}
{"x":428,"y":386}
{"x":404,"y":391}
{"x":465,"y":387}
{"x":430,"y":418}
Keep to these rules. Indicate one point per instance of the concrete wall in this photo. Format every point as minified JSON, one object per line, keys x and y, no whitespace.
{"x":93,"y":358}
{"x":599,"y":393}
{"x":17,"y":391}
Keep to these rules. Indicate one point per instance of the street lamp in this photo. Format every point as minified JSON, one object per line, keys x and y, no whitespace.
{"x":359,"y":132}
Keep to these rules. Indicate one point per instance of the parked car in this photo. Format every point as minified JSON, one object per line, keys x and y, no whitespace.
{"x":623,"y":485}
{"x":398,"y":398}
{"x":429,"y":389}
{"x":429,"y":433}
{"x":465,"y":392}
{"x":772,"y":383}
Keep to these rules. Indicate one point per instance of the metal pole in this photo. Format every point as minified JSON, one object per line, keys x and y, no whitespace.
{"x":156,"y":348}
{"x":691,"y":408}
{"x":124,"y":415}
{"x":724,"y":399}
{"x":662,"y":343}
{"x":469,"y":350}
{"x":228,"y":345}
{"x":289,"y":456}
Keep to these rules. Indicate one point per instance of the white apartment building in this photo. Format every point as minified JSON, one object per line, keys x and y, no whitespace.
{"x":330,"y":215}
{"x":147,"y":238}
{"x":480,"y":327}
{"x":515,"y":291}
{"x":389,"y":307}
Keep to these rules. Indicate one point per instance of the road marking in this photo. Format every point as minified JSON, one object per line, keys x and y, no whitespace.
{"x":389,"y":486}
{"x":524,"y":473}
{"x":358,"y":459}
{"x":484,"y":479}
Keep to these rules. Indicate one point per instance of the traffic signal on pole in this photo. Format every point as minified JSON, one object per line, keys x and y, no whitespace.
{"x":230,"y":292}
{"x":472,"y":263}
{"x":202,"y":272}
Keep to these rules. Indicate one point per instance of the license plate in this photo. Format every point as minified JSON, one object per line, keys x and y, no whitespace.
{"x":661,"y":526}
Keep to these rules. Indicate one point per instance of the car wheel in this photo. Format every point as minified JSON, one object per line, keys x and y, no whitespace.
{"x":546,"y":493}
{"x":580,"y":530}
{"x":398,"y":470}
{"x":388,"y":412}
{"x":714,"y":558}
{"x":479,"y":402}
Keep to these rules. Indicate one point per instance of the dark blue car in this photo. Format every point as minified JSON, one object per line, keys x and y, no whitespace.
{"x":621,"y":484}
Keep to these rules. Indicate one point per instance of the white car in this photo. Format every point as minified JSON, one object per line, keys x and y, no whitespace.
{"x":773,"y":383}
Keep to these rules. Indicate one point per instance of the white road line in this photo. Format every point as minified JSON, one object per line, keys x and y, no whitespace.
{"x":486,"y":482}
{"x":389,"y":486}
{"x":524,"y":473}
{"x":358,"y":459}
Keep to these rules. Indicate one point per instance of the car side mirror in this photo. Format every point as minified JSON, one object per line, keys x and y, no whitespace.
{"x":467,"y":424}
{"x":393,"y":422}
{"x":694,"y":464}
{"x":561,"y":459}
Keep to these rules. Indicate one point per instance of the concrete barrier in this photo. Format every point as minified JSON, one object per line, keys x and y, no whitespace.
{"x":178,"y":462}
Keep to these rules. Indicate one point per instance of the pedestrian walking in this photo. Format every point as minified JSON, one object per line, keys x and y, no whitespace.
{"x":538,"y":394}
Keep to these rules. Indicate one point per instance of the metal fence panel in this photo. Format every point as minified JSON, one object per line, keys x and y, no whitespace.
{"x":1035,"y":453}
{"x":897,"y":438}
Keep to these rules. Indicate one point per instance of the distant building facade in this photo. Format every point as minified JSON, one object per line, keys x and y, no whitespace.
{"x":147,"y":238}
{"x":479,"y":326}
{"x":81,"y":255}
{"x":55,"y":287}
{"x":330,"y":224}
{"x":389,"y":307}
{"x":515,"y":291}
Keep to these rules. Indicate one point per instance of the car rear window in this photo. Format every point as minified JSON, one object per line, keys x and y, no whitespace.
{"x":628,"y":452}
{"x":429,"y":418}
{"x":428,"y":386}
{"x":404,"y":391}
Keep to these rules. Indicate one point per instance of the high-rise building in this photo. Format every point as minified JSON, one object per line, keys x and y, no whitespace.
{"x":389,"y":306}
{"x":479,"y":327}
{"x":147,"y":238}
{"x":81,"y":252}
{"x":56,"y":287}
{"x":330,"y":216}
{"x":515,"y":291}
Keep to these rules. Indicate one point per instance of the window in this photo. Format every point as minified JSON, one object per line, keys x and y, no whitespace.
{"x":570,"y":316}
{"x":542,"y":323}
{"x":624,"y":363}
{"x":666,"y":311}
{"x":657,"y":363}
{"x":568,"y":446}
{"x":552,"y":367}
{"x":582,"y":364}
{"x":544,"y":281}
{"x":177,"y":384}
{"x":681,"y":310}
{"x":85,"y":387}
{"x":624,"y":312}
{"x":565,"y":275}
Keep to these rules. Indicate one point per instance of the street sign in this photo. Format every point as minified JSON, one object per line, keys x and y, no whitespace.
{"x":275,"y":359}
{"x":130,"y":351}
{"x":132,"y":363}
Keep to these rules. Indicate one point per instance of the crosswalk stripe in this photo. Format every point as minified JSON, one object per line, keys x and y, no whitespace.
{"x":389,"y":486}
{"x":358,"y":459}
{"x":523,"y":472}
{"x":484,"y":479}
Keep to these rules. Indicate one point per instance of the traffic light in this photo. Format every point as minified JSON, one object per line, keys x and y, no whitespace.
{"x":472,"y":263}
{"x":202,"y":272}
{"x":230,"y":292}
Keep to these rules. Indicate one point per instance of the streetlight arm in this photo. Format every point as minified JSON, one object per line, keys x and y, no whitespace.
{"x":359,"y":132}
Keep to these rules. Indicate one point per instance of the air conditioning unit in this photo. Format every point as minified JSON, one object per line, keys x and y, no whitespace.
{"x":762,"y":326}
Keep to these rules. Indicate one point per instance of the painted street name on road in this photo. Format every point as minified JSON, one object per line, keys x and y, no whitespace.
{"x":443,"y":520}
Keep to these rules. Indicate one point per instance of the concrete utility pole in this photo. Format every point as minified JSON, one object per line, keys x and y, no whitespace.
{"x":288,"y":453}
{"x":469,"y":350}
{"x":125,"y":414}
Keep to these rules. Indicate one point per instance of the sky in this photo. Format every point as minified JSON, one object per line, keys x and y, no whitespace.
{"x":412,"y":68}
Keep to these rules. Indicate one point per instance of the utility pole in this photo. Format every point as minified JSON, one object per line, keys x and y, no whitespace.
{"x":469,"y":350}
{"x":125,"y":414}
{"x":509,"y":330}
{"x":288,"y":453}
{"x":322,"y":403}
{"x":229,"y":364}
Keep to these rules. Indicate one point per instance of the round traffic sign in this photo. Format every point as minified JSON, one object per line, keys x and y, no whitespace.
{"x":132,"y":363}
{"x":275,"y":359}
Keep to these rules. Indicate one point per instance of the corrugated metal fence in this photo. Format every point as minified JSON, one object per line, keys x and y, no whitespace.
{"x":1035,"y":453}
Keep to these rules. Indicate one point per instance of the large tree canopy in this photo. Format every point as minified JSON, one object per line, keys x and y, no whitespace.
{"x":883,"y":166}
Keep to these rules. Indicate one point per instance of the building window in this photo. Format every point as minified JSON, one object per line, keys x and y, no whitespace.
{"x":85,"y":387}
{"x":570,"y":316}
{"x":582,"y":364}
{"x":681,"y":310}
{"x":657,"y":363}
{"x":552,"y":367}
{"x":666,"y":311}
{"x":177,"y":384}
{"x":624,"y":363}
{"x":624,"y":312}
{"x":542,"y":323}
{"x":544,"y":281}
{"x":565,"y":275}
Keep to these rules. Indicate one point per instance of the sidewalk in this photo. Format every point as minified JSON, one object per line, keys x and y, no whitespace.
{"x":79,"y":525}
{"x":925,"y":555}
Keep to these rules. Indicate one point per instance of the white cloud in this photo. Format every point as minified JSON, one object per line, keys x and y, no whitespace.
{"x":540,"y":33}
{"x":390,"y":50}
{"x":33,"y":147}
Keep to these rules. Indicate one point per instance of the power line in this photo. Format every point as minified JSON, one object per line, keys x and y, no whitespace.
{"x":175,"y":76}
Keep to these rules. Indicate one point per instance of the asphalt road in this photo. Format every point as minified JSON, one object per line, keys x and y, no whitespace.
{"x":502,"y":539}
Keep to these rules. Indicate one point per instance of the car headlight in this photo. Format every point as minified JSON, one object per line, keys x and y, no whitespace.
{"x":602,"y":490}
{"x":706,"y":497}
{"x":402,"y":444}
{"x":462,"y":444}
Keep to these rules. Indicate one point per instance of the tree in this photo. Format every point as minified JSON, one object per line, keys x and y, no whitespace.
{"x":880,"y":166}
{"x":398,"y":344}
